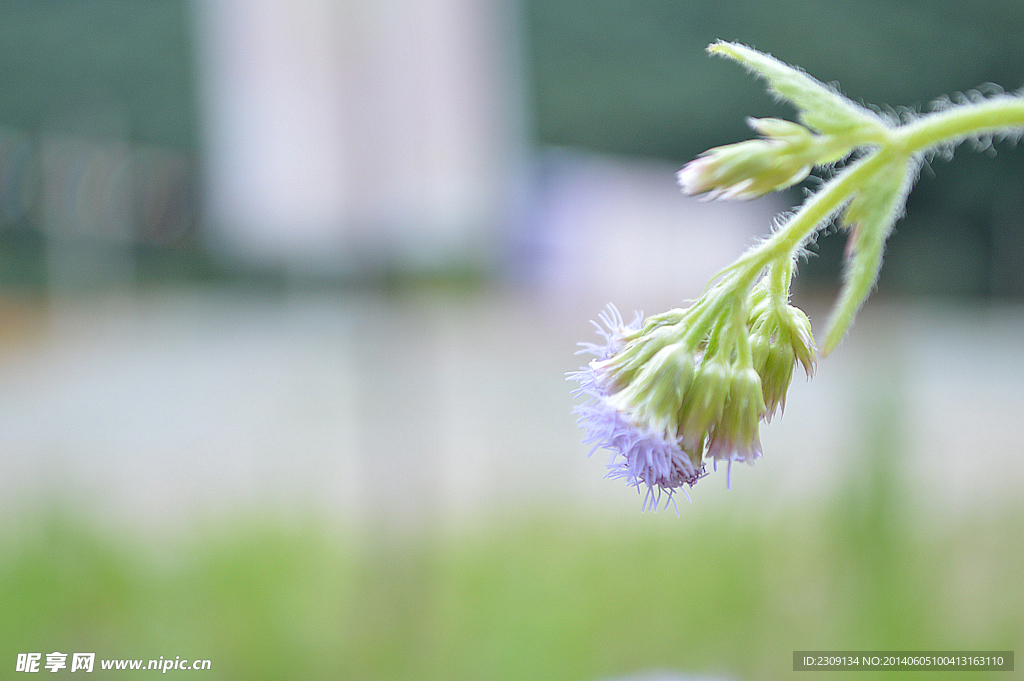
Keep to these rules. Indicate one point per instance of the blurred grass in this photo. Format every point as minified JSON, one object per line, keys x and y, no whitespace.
{"x":534,"y":597}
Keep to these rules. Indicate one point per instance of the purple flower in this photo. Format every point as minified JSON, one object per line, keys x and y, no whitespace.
{"x":644,"y":455}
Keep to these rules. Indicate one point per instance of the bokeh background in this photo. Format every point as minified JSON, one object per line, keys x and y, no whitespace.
{"x":288,"y":290}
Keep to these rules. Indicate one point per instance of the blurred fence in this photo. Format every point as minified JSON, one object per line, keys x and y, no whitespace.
{"x":94,"y":198}
{"x":423,"y":408}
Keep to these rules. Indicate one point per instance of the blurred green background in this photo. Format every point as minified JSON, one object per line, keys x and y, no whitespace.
{"x":728,"y":594}
{"x":895,"y":525}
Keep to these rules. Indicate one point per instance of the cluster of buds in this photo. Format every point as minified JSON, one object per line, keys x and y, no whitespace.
{"x":671,"y":392}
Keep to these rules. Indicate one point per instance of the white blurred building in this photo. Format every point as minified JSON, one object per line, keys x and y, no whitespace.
{"x":343,"y":133}
{"x":345,"y":137}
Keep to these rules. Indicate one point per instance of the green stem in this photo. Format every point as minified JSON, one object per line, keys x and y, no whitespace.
{"x":781,"y":274}
{"x":701,"y":317}
{"x":726,"y":296}
{"x":943,"y":127}
{"x":786,"y":242}
{"x":957,"y":123}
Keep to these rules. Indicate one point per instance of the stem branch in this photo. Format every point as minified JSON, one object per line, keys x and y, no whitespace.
{"x":784,"y":243}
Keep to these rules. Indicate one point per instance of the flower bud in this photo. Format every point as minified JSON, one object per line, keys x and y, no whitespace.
{"x":705,"y":401}
{"x":655,"y":395}
{"x":745,"y":170}
{"x":801,"y":338}
{"x":742,"y":171}
{"x":637,"y":350}
{"x":735,"y":435}
{"x":777,"y":342}
{"x":662,"y":391}
{"x":776,"y":371}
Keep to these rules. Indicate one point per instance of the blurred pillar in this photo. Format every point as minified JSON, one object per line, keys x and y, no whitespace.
{"x":86,"y":211}
{"x":346,"y":134}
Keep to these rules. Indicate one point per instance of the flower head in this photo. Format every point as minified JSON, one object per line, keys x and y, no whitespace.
{"x":638,"y":424}
{"x":662,"y":397}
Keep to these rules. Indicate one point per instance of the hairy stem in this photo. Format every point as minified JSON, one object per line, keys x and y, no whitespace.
{"x":798,"y":230}
{"x":957,"y":123}
{"x":933,"y":130}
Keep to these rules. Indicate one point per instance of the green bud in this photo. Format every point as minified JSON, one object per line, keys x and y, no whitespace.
{"x":655,"y":395}
{"x":705,"y":401}
{"x":816,"y":150}
{"x":784,"y":156}
{"x":623,"y":367}
{"x":735,"y":436}
{"x":779,"y":337}
{"x":744,"y":170}
{"x":802,"y":339}
{"x":775,"y":366}
{"x":749,"y":169}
